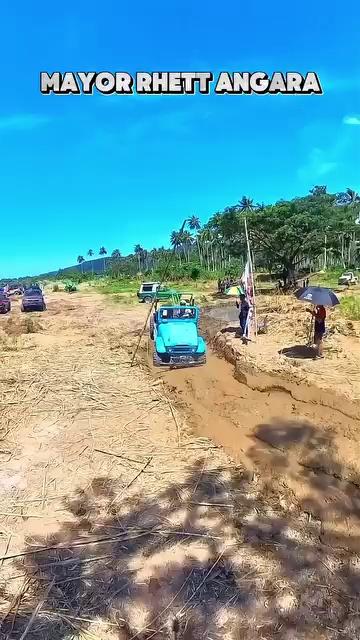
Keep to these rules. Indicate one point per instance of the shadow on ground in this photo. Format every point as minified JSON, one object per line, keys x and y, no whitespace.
{"x":298,"y":351}
{"x":234,"y":330}
{"x":220,"y":553}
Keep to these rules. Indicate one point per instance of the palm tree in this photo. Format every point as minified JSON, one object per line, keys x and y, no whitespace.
{"x":176,"y":240}
{"x":116,"y":265}
{"x":138,"y":250}
{"x":144,"y":257}
{"x":195,"y":225}
{"x":90,"y":253}
{"x":153,"y":257}
{"x":353,"y":196}
{"x":260,"y":206}
{"x":103,"y":252}
{"x":205,"y":238}
{"x":349,"y":198}
{"x":186,"y":241}
{"x":80,"y":260}
{"x":246,"y":204}
{"x":353,"y":200}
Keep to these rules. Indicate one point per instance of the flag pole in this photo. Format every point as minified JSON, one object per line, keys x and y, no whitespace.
{"x":251,"y":272}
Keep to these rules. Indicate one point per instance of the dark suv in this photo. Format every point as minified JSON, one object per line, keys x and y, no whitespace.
{"x":5,"y":304}
{"x":33,"y":300}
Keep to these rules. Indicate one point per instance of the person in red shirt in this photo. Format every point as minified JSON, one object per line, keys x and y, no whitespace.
{"x":319,"y":314}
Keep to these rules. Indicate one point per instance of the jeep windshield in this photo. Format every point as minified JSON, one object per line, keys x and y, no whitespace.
{"x":184,"y":313}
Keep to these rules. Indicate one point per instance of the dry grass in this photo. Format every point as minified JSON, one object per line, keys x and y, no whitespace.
{"x":10,"y":343}
{"x":283,"y":349}
{"x":126,"y":526}
{"x":17,"y":327}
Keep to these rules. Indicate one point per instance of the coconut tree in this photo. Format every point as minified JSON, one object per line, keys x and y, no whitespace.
{"x":103,"y":252}
{"x":205,"y":238}
{"x":353,"y":200}
{"x":246,"y":204}
{"x":138,"y":250}
{"x":145,"y":259}
{"x":350,"y":199}
{"x":153,"y":257}
{"x":176,"y":241}
{"x":186,"y":242}
{"x":80,"y":260}
{"x":115,"y":264}
{"x":90,"y":254}
{"x":353,"y":196}
{"x":195,"y":225}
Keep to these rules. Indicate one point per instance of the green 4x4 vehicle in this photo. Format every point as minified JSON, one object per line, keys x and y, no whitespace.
{"x":150,"y":290}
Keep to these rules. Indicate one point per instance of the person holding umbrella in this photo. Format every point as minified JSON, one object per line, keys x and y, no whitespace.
{"x":319,"y":315}
{"x":319,"y":297}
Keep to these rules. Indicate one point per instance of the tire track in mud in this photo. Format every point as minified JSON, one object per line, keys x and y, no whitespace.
{"x":257,"y":379}
{"x":233,"y":411}
{"x":291,"y":433}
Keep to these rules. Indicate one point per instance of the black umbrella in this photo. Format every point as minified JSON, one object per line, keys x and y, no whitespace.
{"x":317,"y":295}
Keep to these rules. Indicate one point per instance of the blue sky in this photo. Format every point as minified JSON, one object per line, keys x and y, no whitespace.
{"x":78,"y":172}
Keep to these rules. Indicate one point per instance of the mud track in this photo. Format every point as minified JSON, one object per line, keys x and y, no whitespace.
{"x":283,"y":430}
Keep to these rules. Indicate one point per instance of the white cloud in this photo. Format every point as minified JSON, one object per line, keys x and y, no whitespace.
{"x":22,"y":122}
{"x":352,"y":120}
{"x":318,"y":165}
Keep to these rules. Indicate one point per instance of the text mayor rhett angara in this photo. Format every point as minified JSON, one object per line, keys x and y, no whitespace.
{"x":105,"y":82}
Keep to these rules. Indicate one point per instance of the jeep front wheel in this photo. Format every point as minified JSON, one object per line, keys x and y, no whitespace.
{"x":157,"y":361}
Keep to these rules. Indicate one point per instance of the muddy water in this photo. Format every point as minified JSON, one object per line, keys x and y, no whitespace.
{"x":236,"y":406}
{"x":226,"y":313}
{"x":237,"y":415}
{"x":288,"y":433}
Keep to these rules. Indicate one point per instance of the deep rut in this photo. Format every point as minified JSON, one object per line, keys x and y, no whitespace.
{"x":284,"y":434}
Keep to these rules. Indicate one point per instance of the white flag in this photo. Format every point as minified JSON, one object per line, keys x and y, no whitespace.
{"x":246,"y":281}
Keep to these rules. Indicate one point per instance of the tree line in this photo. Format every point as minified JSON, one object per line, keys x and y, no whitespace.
{"x":318,"y":230}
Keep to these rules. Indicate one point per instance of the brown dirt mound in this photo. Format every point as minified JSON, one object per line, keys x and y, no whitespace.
{"x":23,"y":326}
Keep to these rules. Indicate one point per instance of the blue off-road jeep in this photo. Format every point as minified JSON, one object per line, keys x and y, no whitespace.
{"x":174,"y":330}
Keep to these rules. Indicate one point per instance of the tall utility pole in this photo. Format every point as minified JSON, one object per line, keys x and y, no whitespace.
{"x":325,"y":252}
{"x":251,"y":273}
{"x":164,"y":275}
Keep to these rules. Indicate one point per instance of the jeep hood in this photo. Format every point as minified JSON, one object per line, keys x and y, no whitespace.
{"x":179,"y":333}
